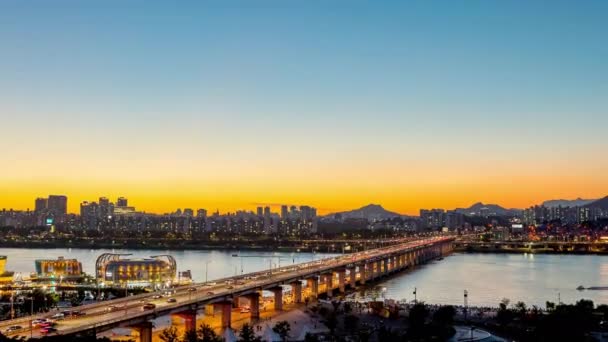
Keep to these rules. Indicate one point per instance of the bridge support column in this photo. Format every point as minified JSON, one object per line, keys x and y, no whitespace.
{"x":313,"y":285}
{"x":145,"y":331}
{"x":254,"y":306}
{"x":189,"y":317}
{"x":226,"y":309}
{"x":363,"y":269}
{"x":341,"y":280}
{"x":296,"y":290}
{"x":329,"y":285}
{"x":278,"y":298}
{"x":352,"y":277}
{"x":388,"y":265}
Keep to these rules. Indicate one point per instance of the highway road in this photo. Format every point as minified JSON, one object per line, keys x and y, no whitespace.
{"x":98,"y":315}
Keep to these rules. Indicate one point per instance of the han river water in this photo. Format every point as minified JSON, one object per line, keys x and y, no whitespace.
{"x":531,"y":278}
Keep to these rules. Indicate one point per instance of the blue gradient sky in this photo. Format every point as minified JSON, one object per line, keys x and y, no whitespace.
{"x":335,"y":103}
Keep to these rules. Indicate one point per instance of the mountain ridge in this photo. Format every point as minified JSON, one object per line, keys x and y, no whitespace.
{"x":369,"y":212}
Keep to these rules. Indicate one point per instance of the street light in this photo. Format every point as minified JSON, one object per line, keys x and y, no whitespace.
{"x":466,"y":303}
{"x":31,"y":316}
{"x":207,"y":268}
{"x":44,"y":289}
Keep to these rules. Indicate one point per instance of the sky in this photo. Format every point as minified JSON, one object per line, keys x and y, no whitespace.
{"x":332,"y":103}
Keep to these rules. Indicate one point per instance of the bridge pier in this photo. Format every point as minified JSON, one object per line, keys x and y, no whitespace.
{"x":341,"y":280}
{"x":296,"y":290}
{"x":254,"y":306}
{"x":278,"y":298}
{"x":226,"y":310}
{"x":352,"y":277}
{"x":375,"y":270}
{"x":313,"y":285}
{"x":145,"y":331}
{"x":363,"y":273}
{"x":189,"y":317}
{"x":329,"y":286}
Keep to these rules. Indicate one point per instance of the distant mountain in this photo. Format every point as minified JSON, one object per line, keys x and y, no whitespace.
{"x":481,"y":209}
{"x":601,"y":204}
{"x":369,"y":212}
{"x":579,"y":202}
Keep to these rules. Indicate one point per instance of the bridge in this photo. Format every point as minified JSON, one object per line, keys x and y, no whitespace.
{"x":306,"y":280}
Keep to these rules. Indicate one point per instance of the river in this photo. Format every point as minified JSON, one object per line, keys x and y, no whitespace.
{"x":531,"y":278}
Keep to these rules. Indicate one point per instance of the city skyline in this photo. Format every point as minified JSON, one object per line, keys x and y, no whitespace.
{"x":253,"y":206}
{"x":410,"y":105}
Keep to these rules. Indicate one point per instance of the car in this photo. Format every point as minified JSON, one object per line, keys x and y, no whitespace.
{"x":192,"y":289}
{"x":230,"y":287}
{"x":210,"y":293}
{"x":245,"y":310}
{"x":58,"y":317}
{"x":149,"y":306}
{"x":13,"y":328}
{"x":157,"y":297}
{"x":38,"y":322}
{"x":111,"y":308}
{"x":171,"y":300}
{"x":47,"y":330}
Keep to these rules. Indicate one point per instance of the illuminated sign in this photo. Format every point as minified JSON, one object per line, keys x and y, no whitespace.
{"x":49,"y":221}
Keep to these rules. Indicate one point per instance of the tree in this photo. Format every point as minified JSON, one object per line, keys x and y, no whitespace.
{"x":169,"y":335}
{"x":417,"y":316}
{"x":444,"y":316}
{"x":311,"y":338}
{"x":504,"y":315}
{"x":247,"y":334}
{"x":388,"y":335}
{"x":550,"y":306}
{"x":207,"y":334}
{"x":331,"y":321}
{"x":521,"y":308}
{"x":351,"y":322}
{"x":190,"y":336}
{"x":282,"y":328}
{"x":364,"y":335}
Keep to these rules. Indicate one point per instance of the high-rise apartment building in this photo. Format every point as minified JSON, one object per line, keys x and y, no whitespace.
{"x":41,"y":204}
{"x":122,"y":202}
{"x":57,"y":205}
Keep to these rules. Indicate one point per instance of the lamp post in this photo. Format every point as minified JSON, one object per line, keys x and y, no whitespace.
{"x":466,"y":303}
{"x":207,"y":269}
{"x":12,"y":307}
{"x":31,"y":316}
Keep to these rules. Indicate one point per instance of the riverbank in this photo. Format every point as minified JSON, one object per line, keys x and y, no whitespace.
{"x":500,"y":250}
{"x":263,"y":246}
